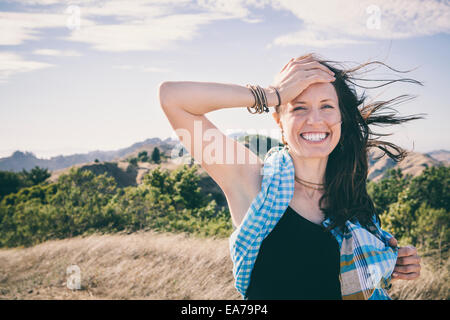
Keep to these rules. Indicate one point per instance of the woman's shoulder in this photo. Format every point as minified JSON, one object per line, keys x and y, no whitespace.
{"x":273,"y":168}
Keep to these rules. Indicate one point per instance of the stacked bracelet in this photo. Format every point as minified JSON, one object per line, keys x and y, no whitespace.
{"x":261,"y":104}
{"x":259,"y":94}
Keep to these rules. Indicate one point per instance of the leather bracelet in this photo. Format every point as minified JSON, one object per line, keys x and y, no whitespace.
{"x":278,"y":95}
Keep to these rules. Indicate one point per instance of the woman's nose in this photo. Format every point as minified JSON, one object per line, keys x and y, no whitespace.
{"x":314,"y":116}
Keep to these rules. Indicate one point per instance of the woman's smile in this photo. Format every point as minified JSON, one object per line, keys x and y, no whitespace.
{"x":315,"y":138}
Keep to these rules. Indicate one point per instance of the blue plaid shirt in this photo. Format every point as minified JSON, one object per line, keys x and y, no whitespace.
{"x":366,"y":259}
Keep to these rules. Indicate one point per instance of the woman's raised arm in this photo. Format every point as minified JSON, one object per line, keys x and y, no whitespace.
{"x":234,"y":167}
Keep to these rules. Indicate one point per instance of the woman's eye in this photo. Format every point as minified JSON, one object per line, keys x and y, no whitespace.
{"x":299,"y":108}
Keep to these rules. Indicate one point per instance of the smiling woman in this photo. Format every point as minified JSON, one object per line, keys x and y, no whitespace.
{"x":319,"y":177}
{"x":337,"y":159}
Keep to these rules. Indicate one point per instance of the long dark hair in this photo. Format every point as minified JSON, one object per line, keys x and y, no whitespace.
{"x":345,"y":196}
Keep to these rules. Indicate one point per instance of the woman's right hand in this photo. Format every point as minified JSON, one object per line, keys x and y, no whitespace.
{"x":298,"y":74}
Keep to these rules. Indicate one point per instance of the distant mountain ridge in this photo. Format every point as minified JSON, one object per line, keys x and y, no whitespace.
{"x":414,"y":164}
{"x":440,"y":155}
{"x":27,"y":160}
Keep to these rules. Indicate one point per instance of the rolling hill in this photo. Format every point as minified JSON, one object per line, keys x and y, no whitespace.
{"x":116,"y":165}
{"x":26,"y":160}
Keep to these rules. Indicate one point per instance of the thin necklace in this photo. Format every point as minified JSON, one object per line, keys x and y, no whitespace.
{"x":310,"y":196}
{"x":309,"y":186}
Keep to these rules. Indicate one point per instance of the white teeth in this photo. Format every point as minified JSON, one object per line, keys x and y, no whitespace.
{"x":314,"y":136}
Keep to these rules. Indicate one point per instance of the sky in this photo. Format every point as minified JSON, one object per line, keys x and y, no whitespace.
{"x":79,"y":76}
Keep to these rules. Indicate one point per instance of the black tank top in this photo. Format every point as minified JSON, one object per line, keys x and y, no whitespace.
{"x":298,"y":260}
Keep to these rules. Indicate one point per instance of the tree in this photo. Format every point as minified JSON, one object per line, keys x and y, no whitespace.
{"x":182,"y":185}
{"x":160,"y":179}
{"x":36,"y":175}
{"x":133,"y":161}
{"x":421,"y":213}
{"x":143,"y":156}
{"x":10,"y":182}
{"x":386,"y":191}
{"x":433,"y":187}
{"x":156,"y":155}
{"x":188,"y":189}
{"x":80,"y":198}
{"x":400,"y":219}
{"x":432,"y":229}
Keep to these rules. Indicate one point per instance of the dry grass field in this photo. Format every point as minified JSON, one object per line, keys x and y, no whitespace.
{"x":150,"y":265}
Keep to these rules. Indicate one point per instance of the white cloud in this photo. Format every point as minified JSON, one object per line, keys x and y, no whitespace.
{"x":18,"y":27}
{"x":152,"y":34}
{"x":313,"y":38}
{"x":11,"y":63}
{"x":130,"y":10}
{"x":336,"y":22}
{"x":147,"y":25}
{"x":36,"y":2}
{"x":234,"y":8}
{"x":137,"y":25}
{"x":60,"y":53}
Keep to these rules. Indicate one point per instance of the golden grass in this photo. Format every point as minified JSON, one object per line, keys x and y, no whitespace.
{"x":433,"y":283}
{"x":146,"y":265}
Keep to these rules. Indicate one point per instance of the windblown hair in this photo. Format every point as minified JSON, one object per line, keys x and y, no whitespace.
{"x":345,"y":196}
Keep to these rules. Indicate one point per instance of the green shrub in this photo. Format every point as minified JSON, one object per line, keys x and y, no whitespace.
{"x":420,"y":215}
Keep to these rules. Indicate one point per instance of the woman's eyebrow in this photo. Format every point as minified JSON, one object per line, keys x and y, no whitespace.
{"x":324,"y":100}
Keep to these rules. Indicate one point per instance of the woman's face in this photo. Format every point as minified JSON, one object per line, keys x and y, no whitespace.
{"x":313,"y":115}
